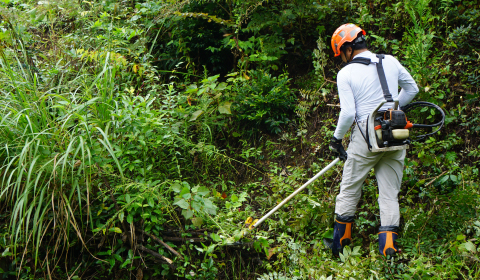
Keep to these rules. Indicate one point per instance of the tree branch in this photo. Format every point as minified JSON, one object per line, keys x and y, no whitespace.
{"x":156,"y":255}
{"x":156,"y":239}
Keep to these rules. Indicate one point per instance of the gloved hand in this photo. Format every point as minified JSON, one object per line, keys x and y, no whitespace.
{"x":337,"y":147}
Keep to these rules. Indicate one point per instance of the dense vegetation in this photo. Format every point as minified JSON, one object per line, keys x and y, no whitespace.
{"x":136,"y":137}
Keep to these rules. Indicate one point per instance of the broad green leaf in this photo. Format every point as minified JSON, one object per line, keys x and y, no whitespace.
{"x":201,"y":91}
{"x":215,"y":237}
{"x":150,"y":202}
{"x":184,"y":191}
{"x":328,"y":234}
{"x":197,"y":221}
{"x":211,"y":248}
{"x":116,"y":230}
{"x":121,"y":216}
{"x":127,"y":262}
{"x":118,"y":257}
{"x":198,"y":198}
{"x":224,"y":108}
{"x":356,"y":251}
{"x":127,"y":198}
{"x":176,"y":187}
{"x":469,"y":246}
{"x":209,"y":207}
{"x":221,"y":86}
{"x":211,"y":78}
{"x":454,"y":178}
{"x":187,"y":214}
{"x":182,"y":204}
{"x":211,"y":211}
{"x":196,"y":114}
{"x":347,"y":251}
{"x":203,"y":191}
{"x":443,"y":179}
{"x":6,"y":253}
{"x":196,"y":205}
{"x":130,"y":218}
{"x":212,"y":86}
{"x":191,"y":88}
{"x":233,"y":198}
{"x":243,"y":197}
{"x":208,"y":203}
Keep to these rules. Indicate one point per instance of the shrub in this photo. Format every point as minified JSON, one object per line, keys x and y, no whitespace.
{"x":264,"y":101}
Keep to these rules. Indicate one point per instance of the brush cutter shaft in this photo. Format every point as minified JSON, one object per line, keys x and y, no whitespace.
{"x":295,"y":192}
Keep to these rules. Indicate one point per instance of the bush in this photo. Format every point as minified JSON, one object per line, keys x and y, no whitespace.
{"x":264,"y":102}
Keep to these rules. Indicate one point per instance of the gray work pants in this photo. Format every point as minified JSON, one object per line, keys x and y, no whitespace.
{"x":388,"y":168}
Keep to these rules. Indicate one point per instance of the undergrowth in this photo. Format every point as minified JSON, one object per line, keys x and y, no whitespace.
{"x":136,"y":138}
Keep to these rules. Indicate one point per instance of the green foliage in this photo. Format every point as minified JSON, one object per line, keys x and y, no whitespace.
{"x":420,"y":40}
{"x":193,"y":201}
{"x":264,"y":101}
{"x":137,"y":137}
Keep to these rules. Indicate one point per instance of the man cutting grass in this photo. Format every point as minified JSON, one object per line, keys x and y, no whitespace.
{"x":360,"y":91}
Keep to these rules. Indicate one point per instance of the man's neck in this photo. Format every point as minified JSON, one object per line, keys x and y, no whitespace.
{"x":357,"y":52}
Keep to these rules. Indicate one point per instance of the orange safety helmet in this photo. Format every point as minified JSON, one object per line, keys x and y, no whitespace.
{"x":345,"y":33}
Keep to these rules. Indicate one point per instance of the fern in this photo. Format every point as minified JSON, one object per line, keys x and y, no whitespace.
{"x":320,"y":59}
{"x":310,"y":102}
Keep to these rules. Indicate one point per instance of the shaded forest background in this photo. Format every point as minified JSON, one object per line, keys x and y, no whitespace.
{"x":136,"y":137}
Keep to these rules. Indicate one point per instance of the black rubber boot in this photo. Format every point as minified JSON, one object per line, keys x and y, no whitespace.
{"x":387,"y":237}
{"x":342,"y":233}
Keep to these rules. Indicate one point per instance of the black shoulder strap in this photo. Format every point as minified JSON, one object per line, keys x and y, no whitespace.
{"x":380,"y":71}
{"x":361,"y":60}
{"x":383,"y":79}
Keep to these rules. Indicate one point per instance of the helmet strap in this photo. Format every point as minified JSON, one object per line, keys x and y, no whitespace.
{"x":359,"y":40}
{"x":351,"y":55}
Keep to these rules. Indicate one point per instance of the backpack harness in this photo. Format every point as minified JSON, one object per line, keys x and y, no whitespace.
{"x":391,"y":126}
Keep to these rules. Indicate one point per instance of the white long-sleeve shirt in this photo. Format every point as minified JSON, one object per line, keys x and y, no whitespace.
{"x":360,"y":91}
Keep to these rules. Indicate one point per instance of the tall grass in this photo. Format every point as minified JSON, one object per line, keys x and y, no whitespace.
{"x":50,"y":139}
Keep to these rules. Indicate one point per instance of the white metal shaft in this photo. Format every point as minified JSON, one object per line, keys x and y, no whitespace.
{"x":295,"y":192}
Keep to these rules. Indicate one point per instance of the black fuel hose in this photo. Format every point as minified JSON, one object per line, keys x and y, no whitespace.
{"x":419,"y":104}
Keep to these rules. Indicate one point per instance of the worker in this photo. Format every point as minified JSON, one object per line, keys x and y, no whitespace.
{"x":360,"y":92}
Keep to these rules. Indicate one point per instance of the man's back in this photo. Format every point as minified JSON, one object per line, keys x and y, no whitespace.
{"x":360,"y":91}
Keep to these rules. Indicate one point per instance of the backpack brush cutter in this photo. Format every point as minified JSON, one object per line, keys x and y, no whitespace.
{"x":388,"y":130}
